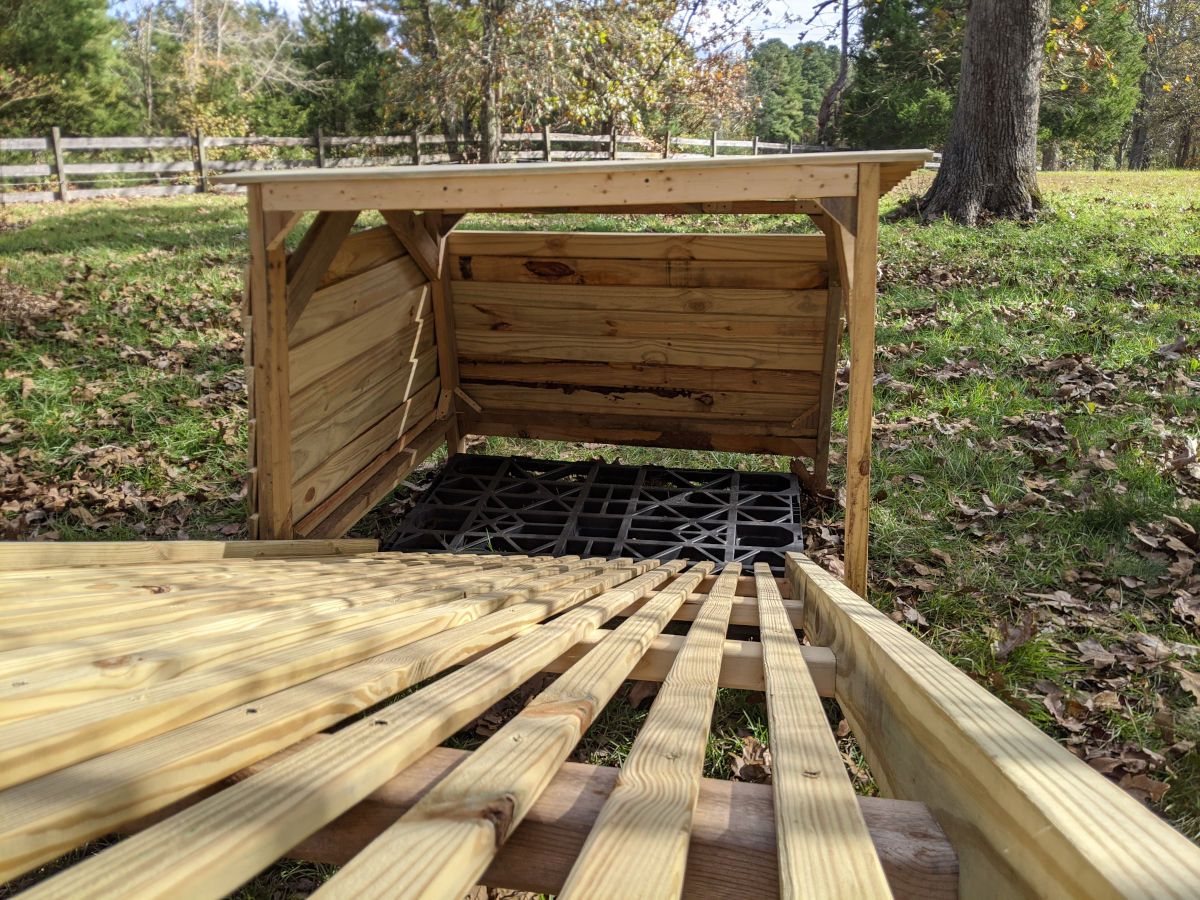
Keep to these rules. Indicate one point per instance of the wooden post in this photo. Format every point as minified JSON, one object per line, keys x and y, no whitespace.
{"x":416,"y":148}
{"x":860,"y":297}
{"x":714,"y":143}
{"x":754,"y":146}
{"x":612,"y":152}
{"x":791,"y":146}
{"x":60,"y":169}
{"x":547,"y":153}
{"x":272,"y":399}
{"x":667,"y":144}
{"x":201,"y":161}
{"x":319,"y":141}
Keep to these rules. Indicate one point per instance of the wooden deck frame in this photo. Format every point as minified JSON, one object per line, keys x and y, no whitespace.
{"x":528,"y":377}
{"x":219,"y":765}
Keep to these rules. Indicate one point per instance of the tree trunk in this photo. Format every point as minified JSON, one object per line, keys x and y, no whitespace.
{"x":489,"y":110}
{"x":832,"y":101}
{"x":1049,"y":156}
{"x":1183,"y":151}
{"x":989,"y":164}
{"x":1139,"y":138}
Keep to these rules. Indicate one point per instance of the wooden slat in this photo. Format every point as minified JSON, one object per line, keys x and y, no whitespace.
{"x":677,"y":403}
{"x":355,"y":295}
{"x":196,"y":851}
{"x":335,"y":464}
{"x":374,"y":482}
{"x":667,"y":300}
{"x":36,"y":746}
{"x":521,"y":318}
{"x":445,"y":842}
{"x":825,"y":849}
{"x":41,"y":554}
{"x":645,"y":376}
{"x":362,"y":251}
{"x":106,"y":168}
{"x":45,"y":691}
{"x":677,"y":273}
{"x":599,"y":245}
{"x":126,"y":143}
{"x":653,"y":348}
{"x":639,"y":844}
{"x":663,"y":425}
{"x":400,"y":322}
{"x":639,"y":435}
{"x":1026,"y":816}
{"x":741,"y":662}
{"x":310,"y":261}
{"x":52,"y":814}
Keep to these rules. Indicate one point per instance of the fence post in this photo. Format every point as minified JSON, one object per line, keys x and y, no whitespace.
{"x":612,"y":150}
{"x":201,"y":161}
{"x":319,"y":140}
{"x":667,"y":144}
{"x":60,"y":170}
{"x":754,"y":146}
{"x":547,"y":153}
{"x":791,"y":146}
{"x":416,"y":148}
{"x":714,"y":143}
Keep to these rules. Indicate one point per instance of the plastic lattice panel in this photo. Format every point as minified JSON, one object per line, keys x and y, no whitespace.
{"x":496,"y":504}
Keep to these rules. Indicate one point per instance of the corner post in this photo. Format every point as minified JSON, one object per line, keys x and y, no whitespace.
{"x":547,"y":151}
{"x":60,"y":169}
{"x":860,"y":297}
{"x":201,"y":161}
{"x":271,"y":414}
{"x":713,"y":146}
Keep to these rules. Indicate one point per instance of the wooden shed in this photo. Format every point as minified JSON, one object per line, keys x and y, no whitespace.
{"x":371,"y":348}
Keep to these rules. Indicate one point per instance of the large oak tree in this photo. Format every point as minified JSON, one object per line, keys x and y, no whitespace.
{"x":989,"y":164}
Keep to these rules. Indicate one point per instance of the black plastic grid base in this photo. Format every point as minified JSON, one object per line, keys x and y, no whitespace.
{"x":498,"y":504}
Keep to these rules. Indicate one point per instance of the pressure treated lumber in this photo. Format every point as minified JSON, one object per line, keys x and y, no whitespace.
{"x":445,"y":843}
{"x":732,"y":849}
{"x":861,"y":247}
{"x":824,"y":847}
{"x":54,"y":813}
{"x":32,"y":747}
{"x":310,"y":261}
{"x":199,"y":852}
{"x":40,"y":554}
{"x":1026,"y":816}
{"x":639,"y":844}
{"x":785,"y":248}
{"x":741,"y":662}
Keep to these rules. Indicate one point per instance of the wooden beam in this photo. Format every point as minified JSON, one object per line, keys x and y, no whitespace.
{"x":1027,"y":817}
{"x":731,"y":853}
{"x":860,"y":297}
{"x":310,"y":261}
{"x":639,"y":844}
{"x":824,"y":847}
{"x":843,"y":210}
{"x":741,"y":662}
{"x":819,"y":479}
{"x":727,"y":207}
{"x":410,"y":228}
{"x":43,"y":554}
{"x":272,"y":456}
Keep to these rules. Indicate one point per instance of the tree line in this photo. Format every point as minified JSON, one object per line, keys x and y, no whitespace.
{"x":1119,"y":84}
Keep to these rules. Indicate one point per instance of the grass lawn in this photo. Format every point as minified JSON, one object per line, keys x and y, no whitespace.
{"x":1037,"y":485}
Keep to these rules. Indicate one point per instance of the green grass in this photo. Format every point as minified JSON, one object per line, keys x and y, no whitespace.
{"x":1000,"y":475}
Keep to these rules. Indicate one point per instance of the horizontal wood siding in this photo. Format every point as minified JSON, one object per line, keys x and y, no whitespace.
{"x":695,"y":341}
{"x":363,"y":363}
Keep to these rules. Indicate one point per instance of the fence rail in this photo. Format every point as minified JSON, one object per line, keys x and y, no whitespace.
{"x":56,"y":167}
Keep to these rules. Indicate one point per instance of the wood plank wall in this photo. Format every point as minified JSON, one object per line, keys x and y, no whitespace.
{"x":689,"y":341}
{"x":363,"y":365}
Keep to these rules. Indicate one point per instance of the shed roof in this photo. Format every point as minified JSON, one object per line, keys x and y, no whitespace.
{"x":558,"y":185}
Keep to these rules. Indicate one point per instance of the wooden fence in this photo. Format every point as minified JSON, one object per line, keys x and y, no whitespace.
{"x":34,"y":170}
